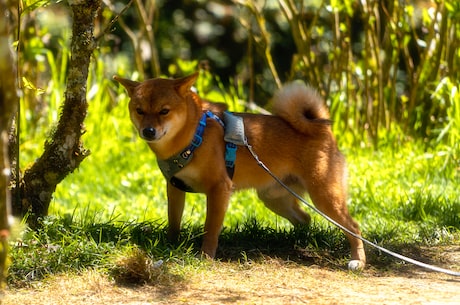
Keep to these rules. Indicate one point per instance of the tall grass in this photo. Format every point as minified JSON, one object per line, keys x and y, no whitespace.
{"x":377,"y":62}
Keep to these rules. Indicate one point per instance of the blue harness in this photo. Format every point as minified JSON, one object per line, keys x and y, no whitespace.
{"x":174,"y":164}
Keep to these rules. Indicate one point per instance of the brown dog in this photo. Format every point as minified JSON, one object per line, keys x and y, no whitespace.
{"x":296,"y":143}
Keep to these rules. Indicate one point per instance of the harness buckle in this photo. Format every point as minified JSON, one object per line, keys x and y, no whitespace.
{"x":197,"y":140}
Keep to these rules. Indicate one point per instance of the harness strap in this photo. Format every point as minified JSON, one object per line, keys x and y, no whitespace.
{"x":230,"y":148}
{"x":230,"y":157}
{"x":174,"y":164}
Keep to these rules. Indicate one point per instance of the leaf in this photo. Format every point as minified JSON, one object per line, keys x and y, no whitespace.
{"x":31,"y":5}
{"x":29,"y":85}
{"x":187,"y":67}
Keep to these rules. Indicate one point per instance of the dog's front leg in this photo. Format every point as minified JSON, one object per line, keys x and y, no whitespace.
{"x":217,"y":203}
{"x":176,"y":202}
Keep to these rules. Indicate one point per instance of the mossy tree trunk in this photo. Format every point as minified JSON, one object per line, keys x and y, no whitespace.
{"x":63,"y":151}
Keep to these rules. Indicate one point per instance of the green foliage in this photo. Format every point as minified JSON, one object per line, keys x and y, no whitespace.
{"x":449,"y":135}
{"x":378,"y":63}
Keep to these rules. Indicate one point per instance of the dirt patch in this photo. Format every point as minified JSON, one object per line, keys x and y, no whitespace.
{"x":270,"y":282}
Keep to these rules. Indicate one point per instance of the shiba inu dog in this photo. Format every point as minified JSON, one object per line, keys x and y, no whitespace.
{"x":186,"y":134}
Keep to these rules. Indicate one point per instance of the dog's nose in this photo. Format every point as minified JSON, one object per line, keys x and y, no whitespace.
{"x":148,"y":133}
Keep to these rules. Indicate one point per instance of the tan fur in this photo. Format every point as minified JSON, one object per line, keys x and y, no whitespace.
{"x":296,"y":144}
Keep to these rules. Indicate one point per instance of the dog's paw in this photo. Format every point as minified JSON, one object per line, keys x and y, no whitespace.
{"x":355,"y":265}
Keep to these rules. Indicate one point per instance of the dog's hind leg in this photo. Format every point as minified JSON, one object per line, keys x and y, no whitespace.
{"x":330,"y":198}
{"x":284,"y":204}
{"x":176,"y":202}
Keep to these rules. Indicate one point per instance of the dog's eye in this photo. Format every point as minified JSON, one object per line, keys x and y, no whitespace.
{"x":164,"y":111}
{"x":140,"y":111}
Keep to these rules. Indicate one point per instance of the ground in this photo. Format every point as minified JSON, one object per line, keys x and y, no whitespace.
{"x":273,"y":281}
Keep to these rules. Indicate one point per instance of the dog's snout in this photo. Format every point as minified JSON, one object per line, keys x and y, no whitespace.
{"x":148,"y":133}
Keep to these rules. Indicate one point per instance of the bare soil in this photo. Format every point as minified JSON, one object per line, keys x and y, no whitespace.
{"x":273,"y":281}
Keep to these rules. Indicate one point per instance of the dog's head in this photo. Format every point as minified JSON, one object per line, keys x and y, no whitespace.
{"x":158,"y":106}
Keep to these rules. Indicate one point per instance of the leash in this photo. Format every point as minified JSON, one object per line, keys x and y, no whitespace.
{"x":394,"y":254}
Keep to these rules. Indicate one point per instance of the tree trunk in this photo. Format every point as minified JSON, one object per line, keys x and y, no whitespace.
{"x":8,"y":104}
{"x":64,"y":151}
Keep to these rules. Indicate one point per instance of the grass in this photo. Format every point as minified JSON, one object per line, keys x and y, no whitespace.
{"x":398,"y":199}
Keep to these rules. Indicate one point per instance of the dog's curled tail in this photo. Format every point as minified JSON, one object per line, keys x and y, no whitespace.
{"x":301,"y":106}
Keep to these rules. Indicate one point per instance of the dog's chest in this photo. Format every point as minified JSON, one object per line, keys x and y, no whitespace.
{"x":190,"y":176}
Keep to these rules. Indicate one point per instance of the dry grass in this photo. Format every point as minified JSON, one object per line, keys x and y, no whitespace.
{"x":137,"y":267}
{"x":271,"y":281}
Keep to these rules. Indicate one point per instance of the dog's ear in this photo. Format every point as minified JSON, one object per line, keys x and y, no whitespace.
{"x":130,"y":85}
{"x":183,"y":85}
